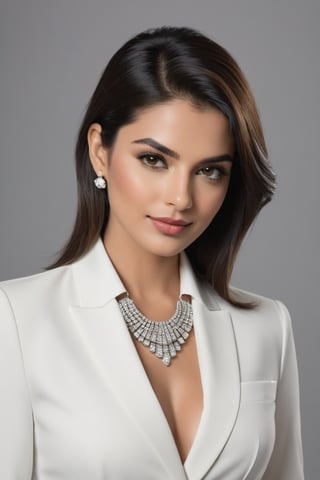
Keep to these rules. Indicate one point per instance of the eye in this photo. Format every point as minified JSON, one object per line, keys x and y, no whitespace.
{"x":152,"y":160}
{"x":212,"y":172}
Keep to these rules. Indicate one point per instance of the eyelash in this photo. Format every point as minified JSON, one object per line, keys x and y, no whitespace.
{"x":148,"y":156}
{"x":221,"y":170}
{"x":145,"y":157}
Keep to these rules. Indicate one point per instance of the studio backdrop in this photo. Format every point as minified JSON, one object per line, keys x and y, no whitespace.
{"x":51,"y":56}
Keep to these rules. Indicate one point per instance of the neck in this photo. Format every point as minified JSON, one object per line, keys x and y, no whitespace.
{"x":145,"y":275}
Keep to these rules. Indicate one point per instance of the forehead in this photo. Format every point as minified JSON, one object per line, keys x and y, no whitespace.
{"x":179,"y":124}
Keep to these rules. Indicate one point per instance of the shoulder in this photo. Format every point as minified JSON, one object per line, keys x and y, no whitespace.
{"x":262,"y":304}
{"x":26,"y":290}
{"x":263,"y":334}
{"x":269,"y":316}
{"x":33,"y":281}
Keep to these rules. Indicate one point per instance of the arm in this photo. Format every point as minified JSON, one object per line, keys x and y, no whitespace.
{"x":286,"y":462}
{"x":16,"y":425}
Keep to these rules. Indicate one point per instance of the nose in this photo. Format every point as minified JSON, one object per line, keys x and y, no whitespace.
{"x":178,"y":191}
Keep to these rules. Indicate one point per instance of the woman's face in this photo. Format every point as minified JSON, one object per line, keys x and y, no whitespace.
{"x":167,"y":174}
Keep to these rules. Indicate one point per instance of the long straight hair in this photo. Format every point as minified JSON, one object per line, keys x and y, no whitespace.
{"x":157,"y":66}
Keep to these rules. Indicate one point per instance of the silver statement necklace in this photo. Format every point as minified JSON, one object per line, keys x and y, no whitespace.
{"x":164,"y":339}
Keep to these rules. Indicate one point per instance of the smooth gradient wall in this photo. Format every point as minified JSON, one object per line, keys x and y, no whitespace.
{"x":51,"y":56}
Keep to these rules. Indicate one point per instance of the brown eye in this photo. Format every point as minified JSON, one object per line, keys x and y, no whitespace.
{"x":211,"y":172}
{"x":152,"y":160}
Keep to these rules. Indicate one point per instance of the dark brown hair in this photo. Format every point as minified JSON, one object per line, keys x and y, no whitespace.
{"x":156,"y":66}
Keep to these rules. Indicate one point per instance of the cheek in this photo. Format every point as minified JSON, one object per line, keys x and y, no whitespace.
{"x":210,"y":201}
{"x":126,"y":183}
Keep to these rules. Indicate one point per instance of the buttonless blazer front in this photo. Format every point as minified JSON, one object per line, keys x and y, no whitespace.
{"x":76,"y":403}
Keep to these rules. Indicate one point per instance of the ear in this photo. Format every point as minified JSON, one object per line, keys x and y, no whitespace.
{"x":97,"y":152}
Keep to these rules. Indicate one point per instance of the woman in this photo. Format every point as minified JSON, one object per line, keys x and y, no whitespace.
{"x":132,"y":357}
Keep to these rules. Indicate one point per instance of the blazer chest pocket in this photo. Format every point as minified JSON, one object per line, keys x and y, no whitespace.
{"x":263,"y":391}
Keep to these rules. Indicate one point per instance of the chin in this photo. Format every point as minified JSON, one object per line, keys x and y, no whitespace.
{"x":168,"y":250}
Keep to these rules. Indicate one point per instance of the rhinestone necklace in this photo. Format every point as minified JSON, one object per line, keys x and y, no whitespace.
{"x":164,"y":339}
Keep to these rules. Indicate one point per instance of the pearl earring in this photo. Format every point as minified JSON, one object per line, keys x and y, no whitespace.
{"x":100,"y":181}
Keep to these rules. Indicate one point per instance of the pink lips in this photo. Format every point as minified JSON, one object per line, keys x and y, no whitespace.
{"x":170,"y":226}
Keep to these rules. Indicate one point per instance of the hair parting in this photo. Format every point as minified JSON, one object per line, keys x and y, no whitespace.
{"x":157,"y":66}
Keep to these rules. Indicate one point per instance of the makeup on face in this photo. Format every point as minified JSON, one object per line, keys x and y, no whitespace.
{"x":167,"y":177}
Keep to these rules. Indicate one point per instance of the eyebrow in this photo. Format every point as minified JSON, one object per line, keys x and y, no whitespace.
{"x":171,"y":153}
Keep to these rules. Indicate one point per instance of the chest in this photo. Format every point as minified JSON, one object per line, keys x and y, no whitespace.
{"x":179,"y":391}
{"x":96,"y":414}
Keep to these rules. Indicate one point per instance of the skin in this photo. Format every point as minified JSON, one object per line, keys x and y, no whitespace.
{"x":145,"y":182}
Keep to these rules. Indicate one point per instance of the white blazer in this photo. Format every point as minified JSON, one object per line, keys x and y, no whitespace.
{"x":76,"y":403}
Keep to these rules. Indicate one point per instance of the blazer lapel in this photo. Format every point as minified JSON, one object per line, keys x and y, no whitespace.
{"x":117,"y":363}
{"x":219,"y":367}
{"x":110,"y":346}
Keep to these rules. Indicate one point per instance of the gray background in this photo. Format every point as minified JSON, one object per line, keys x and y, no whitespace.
{"x":52,"y":54}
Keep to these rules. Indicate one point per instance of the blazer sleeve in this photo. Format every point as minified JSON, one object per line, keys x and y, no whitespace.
{"x":16,"y":422}
{"x":286,"y":462}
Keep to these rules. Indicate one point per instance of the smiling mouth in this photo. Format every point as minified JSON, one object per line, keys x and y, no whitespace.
{"x":169,"y":226}
{"x":171,"y":221}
